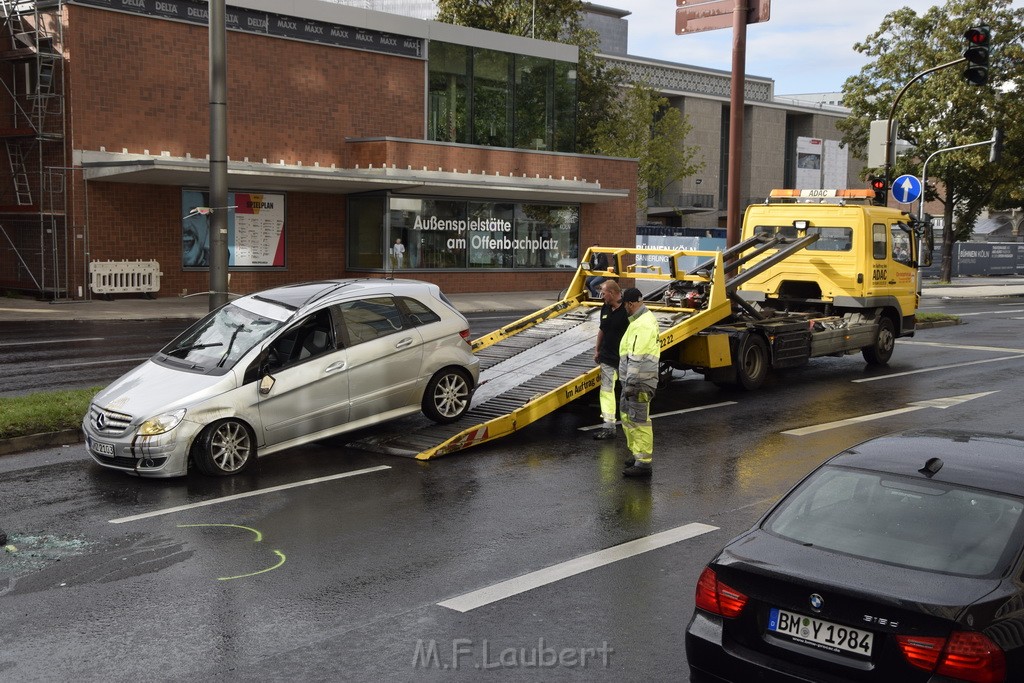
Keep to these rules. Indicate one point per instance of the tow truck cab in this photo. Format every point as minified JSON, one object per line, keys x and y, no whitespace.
{"x":866,"y":257}
{"x":853,"y":286}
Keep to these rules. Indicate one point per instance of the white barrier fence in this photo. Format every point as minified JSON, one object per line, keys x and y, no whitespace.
{"x":124,"y":277}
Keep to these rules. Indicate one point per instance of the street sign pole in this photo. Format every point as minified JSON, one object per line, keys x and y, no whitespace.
{"x":707,"y":15}
{"x":736,"y":102}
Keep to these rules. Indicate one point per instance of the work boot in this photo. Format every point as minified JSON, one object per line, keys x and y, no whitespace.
{"x":638,"y":469}
{"x":604,"y":434}
{"x":630,"y":461}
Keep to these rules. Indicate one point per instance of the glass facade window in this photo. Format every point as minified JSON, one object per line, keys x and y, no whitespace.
{"x":534,"y":95}
{"x":500,"y":99}
{"x":492,"y":98}
{"x":455,"y":234}
{"x":448,"y":108}
{"x":365,"y":232}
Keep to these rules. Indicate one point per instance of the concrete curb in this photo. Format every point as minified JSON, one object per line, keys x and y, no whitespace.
{"x":30,"y":442}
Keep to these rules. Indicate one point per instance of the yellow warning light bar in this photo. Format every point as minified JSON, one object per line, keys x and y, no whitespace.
{"x":823,"y":194}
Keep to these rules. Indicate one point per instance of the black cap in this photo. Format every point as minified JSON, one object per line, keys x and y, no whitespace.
{"x":632,"y":295}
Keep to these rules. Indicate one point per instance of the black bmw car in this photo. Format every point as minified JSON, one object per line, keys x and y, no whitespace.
{"x":898,"y":560}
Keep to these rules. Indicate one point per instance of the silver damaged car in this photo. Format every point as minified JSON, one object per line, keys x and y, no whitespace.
{"x":284,"y":367}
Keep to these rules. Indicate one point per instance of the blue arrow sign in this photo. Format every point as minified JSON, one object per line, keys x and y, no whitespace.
{"x":906,"y":189}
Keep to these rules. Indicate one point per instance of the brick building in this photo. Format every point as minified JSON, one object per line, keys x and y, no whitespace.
{"x":347,"y":130}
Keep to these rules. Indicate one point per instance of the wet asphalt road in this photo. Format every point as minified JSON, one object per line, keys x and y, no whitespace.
{"x":342,"y":579}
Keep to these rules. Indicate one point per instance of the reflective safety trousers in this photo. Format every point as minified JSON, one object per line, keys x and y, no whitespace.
{"x":609,"y":373}
{"x":637,"y":426}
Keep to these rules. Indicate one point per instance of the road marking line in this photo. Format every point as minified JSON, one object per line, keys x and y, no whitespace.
{"x":672,"y":412}
{"x":564,"y":570}
{"x":804,"y":431}
{"x":964,"y":315}
{"x":52,"y":341}
{"x":237,"y":496}
{"x":943,"y":403}
{"x":966,"y":347}
{"x":938,"y":367}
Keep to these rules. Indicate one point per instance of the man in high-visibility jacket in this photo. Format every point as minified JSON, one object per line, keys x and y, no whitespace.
{"x":639,"y":355}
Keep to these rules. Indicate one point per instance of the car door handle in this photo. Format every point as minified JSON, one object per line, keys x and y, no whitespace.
{"x":335,"y":367}
{"x":405,"y":343}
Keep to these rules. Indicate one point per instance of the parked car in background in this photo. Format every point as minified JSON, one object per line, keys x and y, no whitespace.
{"x":283,"y":367}
{"x":900,"y":559}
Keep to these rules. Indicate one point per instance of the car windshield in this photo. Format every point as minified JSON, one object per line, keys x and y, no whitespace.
{"x":925,"y":525}
{"x":215,"y":343}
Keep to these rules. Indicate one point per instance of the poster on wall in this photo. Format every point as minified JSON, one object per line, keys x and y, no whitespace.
{"x":255,"y":229}
{"x":808,"y":163}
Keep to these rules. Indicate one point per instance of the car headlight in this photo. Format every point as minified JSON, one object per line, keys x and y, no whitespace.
{"x":161,"y":423}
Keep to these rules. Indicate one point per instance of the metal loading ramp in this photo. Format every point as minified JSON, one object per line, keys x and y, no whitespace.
{"x":541,"y":362}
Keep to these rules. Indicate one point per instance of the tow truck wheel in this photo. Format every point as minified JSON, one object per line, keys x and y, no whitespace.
{"x":752,"y":362}
{"x":881,"y":351}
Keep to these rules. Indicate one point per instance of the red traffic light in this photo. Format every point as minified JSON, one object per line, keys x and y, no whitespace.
{"x":978,"y":35}
{"x":977,"y":54}
{"x":878,"y":184}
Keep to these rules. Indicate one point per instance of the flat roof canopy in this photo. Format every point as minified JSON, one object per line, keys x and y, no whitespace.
{"x":189,"y":172}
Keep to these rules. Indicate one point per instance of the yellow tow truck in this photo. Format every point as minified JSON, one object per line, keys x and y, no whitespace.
{"x":819,"y":272}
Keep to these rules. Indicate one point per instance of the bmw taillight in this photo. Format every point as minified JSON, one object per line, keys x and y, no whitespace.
{"x":716,"y":597}
{"x":965,"y":656}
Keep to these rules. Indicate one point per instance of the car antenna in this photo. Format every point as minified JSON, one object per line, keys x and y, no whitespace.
{"x":932,"y":466}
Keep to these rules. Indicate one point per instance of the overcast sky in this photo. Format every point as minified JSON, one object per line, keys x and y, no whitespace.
{"x":806,"y":46}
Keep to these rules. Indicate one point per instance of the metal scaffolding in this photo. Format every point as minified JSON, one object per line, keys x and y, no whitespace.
{"x":36,"y":247}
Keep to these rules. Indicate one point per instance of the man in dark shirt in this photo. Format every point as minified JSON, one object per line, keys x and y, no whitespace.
{"x":614,"y":321}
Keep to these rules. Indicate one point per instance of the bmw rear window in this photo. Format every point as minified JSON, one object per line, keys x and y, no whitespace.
{"x":914,"y":523}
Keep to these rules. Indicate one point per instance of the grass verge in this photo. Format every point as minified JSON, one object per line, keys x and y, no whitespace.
{"x":48,"y":411}
{"x":936,"y":317}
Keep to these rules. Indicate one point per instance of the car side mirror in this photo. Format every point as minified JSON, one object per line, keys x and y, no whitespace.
{"x":266,"y":384}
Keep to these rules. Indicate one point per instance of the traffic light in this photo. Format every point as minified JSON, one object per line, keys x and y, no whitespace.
{"x":881,"y":191}
{"x":977,"y":54}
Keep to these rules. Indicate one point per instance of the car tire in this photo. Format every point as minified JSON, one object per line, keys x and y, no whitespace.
{"x":448,"y":395}
{"x":880,"y":352}
{"x":224,"y":448}
{"x":752,"y":362}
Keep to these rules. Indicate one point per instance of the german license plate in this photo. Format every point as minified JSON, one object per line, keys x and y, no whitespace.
{"x":102,"y":448}
{"x":820,"y":633}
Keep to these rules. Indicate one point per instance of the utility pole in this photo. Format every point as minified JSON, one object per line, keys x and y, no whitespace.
{"x":218,"y":156}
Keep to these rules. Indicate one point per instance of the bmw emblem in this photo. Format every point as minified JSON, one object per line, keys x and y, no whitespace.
{"x":817,"y":602}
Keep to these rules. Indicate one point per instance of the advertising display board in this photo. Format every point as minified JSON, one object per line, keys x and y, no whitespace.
{"x":256,"y":235}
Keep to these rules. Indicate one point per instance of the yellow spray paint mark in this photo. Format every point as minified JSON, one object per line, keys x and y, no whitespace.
{"x":258,"y":538}
{"x":262,"y":571}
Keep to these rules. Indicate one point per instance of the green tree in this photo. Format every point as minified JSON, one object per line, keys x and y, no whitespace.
{"x":943,"y":110}
{"x":643,"y":125}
